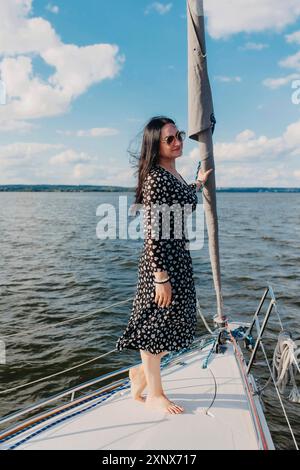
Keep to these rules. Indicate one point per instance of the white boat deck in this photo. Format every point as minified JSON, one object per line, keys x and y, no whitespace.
{"x":122,"y":423}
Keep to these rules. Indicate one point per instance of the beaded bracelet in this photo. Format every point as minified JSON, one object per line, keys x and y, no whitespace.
{"x":162,"y":282}
{"x":202,"y":185}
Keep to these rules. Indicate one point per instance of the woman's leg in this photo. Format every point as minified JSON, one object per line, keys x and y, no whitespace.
{"x":138,"y":382}
{"x":156,"y":397}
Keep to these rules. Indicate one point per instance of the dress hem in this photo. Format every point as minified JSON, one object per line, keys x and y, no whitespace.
{"x":144,"y":348}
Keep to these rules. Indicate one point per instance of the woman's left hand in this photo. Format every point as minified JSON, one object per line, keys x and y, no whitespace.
{"x":203,"y":175}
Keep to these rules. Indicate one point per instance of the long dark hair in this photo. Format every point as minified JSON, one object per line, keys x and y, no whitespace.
{"x":148,"y":155}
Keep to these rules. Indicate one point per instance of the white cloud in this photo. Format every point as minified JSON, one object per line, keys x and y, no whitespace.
{"x":75,"y":68}
{"x":43,"y":163}
{"x":17,"y":126}
{"x":34,"y":34}
{"x":248,"y":160}
{"x":70,"y":156}
{"x":236,"y":16}
{"x":293,"y":37}
{"x":254,"y":46}
{"x":275,"y":83}
{"x":94,"y":132}
{"x":21,"y":162}
{"x":292,"y":136}
{"x":291,"y":62}
{"x":251,"y":161}
{"x":29,"y":96}
{"x":98,"y":174}
{"x":245,"y":136}
{"x":249,"y":147}
{"x":98,"y":132}
{"x":52,"y":8}
{"x":20,"y":149}
{"x":225,"y":79}
{"x":160,"y":8}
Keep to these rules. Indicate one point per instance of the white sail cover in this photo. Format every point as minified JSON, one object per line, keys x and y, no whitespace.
{"x":201,"y":125}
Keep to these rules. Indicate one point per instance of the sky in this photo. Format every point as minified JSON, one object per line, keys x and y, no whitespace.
{"x":83,"y":77}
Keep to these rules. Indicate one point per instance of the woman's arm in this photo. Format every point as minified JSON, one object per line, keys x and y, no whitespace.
{"x":201,"y":179}
{"x":155,"y":246}
{"x":155,"y":201}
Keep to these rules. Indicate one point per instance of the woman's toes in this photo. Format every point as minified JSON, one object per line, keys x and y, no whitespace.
{"x":172,"y":409}
{"x":177,"y":409}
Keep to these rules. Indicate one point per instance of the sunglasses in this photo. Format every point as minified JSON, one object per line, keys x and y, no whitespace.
{"x":169,"y":139}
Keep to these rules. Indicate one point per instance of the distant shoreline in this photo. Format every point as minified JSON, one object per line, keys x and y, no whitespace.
{"x":89,"y":188}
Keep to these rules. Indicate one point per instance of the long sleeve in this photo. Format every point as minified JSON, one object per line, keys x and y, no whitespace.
{"x":155,"y":196}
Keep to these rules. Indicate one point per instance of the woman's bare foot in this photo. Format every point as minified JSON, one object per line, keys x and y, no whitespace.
{"x":138,"y":382}
{"x":164,"y":404}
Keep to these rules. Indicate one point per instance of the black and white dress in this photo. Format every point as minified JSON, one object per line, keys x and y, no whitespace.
{"x":150,"y":327}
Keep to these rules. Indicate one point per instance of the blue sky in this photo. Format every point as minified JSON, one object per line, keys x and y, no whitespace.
{"x":83,"y":77}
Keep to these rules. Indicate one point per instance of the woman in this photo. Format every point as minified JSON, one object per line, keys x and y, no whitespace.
{"x":163,"y":317}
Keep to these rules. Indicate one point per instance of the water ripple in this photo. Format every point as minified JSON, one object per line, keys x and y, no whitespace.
{"x":56,"y":269}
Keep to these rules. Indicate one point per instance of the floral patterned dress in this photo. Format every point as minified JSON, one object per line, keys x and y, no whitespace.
{"x":150,"y":327}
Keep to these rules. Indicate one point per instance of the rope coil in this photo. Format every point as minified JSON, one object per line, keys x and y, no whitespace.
{"x":286,"y":365}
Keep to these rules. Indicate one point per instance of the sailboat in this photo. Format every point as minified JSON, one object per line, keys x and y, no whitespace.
{"x":212,"y":380}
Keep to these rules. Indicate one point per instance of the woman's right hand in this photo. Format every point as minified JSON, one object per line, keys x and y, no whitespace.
{"x":163,"y":294}
{"x":203,"y":175}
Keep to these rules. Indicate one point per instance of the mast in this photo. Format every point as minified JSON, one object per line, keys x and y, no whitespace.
{"x":201,"y":127}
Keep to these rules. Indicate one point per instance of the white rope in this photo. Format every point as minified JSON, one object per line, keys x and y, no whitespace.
{"x":278,"y":316}
{"x":46,"y":327}
{"x":203,"y":319}
{"x":279,"y":396}
{"x":285,"y":365}
{"x":54,"y":375}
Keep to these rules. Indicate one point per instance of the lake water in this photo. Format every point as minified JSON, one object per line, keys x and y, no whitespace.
{"x":53,"y":268}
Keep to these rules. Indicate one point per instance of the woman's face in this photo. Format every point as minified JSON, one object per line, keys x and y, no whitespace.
{"x":173,"y":150}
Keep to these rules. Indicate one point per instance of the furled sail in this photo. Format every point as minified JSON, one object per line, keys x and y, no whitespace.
{"x":201,"y":127}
